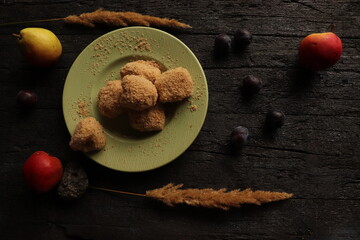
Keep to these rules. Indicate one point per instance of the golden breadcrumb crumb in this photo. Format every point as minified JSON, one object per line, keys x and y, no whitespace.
{"x":142,"y":44}
{"x":193,"y":107}
{"x":82,"y":109}
{"x":88,"y":136}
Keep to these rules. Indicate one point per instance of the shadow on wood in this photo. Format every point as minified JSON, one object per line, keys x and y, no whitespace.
{"x":301,"y":79}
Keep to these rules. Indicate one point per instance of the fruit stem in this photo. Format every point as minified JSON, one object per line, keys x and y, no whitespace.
{"x":16,"y":35}
{"x":116,"y":191}
{"x":33,"y":21}
{"x":332,"y":27}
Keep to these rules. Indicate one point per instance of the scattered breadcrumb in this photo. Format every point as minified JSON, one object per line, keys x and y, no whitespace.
{"x":142,"y":44}
{"x":83,"y":109}
{"x":193,"y":108}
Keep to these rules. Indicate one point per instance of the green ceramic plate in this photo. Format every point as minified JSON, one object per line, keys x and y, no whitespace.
{"x":126,"y":149}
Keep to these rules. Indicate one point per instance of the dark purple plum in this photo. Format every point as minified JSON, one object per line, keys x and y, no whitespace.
{"x":222,"y":44}
{"x":239,"y":137}
{"x":251,"y":84}
{"x":242,"y":38}
{"x":275,"y":119}
{"x":27,"y":98}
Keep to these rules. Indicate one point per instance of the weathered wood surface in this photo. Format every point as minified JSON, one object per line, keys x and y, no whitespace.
{"x":315,"y":155}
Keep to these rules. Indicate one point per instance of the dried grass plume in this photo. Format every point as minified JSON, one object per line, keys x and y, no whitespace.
{"x":122,"y":19}
{"x":173,"y":194}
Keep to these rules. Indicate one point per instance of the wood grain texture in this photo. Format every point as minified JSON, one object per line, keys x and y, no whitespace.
{"x":315,"y":155}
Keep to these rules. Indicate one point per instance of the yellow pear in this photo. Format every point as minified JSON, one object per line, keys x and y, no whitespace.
{"x":39,"y":46}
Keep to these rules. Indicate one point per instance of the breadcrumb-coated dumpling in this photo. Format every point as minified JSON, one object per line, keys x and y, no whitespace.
{"x":138,"y":93}
{"x":174,"y":85}
{"x":151,"y":119}
{"x":148,"y":69}
{"x":88,"y":136}
{"x":109,"y":99}
{"x":149,"y":63}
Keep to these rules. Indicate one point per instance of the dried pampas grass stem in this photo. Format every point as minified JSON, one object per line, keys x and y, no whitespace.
{"x":122,"y":19}
{"x":112,"y":19}
{"x":209,"y":198}
{"x":172,"y":195}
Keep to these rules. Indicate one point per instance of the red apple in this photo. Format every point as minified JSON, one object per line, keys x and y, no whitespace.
{"x":318,"y":51}
{"x":42,"y":172}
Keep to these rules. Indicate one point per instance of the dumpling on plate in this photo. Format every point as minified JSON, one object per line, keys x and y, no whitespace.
{"x":151,"y":119}
{"x":88,"y":136}
{"x":174,"y":85}
{"x":109,"y":99}
{"x":147,"y":69}
{"x":138,"y":93}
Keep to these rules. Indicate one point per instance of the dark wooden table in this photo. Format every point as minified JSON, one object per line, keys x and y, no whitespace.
{"x":315,"y":155}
